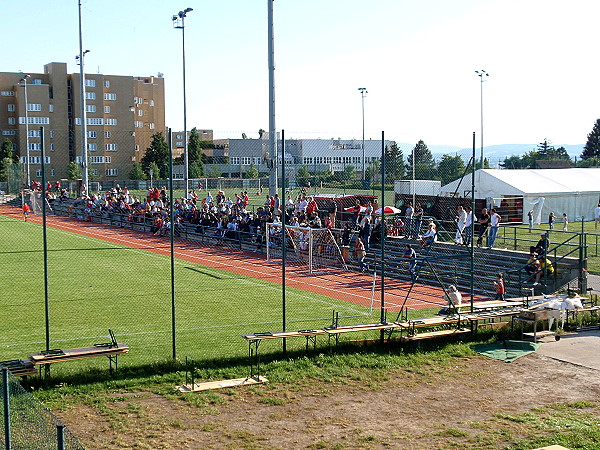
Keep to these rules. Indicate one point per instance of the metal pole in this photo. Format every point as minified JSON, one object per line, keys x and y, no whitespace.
{"x":414,"y":197}
{"x":45,"y":237}
{"x":481,"y":73}
{"x":272,"y":131}
{"x":186,"y":159}
{"x":172,"y":238}
{"x":84,"y":161}
{"x":6,"y":401}
{"x":363,"y":91}
{"x":472,"y":249}
{"x":60,"y":436}
{"x":283,"y":239}
{"x":382,"y":319}
{"x":27,"y":163}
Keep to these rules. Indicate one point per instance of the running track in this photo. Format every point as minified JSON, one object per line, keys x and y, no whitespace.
{"x":347,"y":286}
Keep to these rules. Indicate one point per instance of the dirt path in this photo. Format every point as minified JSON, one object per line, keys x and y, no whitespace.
{"x":456,"y":405}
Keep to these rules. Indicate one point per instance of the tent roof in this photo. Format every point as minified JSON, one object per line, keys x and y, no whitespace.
{"x":534,"y":181}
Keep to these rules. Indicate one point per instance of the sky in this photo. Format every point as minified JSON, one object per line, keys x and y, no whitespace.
{"x":417,"y":60}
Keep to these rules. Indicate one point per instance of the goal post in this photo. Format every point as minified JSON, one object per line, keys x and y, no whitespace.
{"x":314,"y":248}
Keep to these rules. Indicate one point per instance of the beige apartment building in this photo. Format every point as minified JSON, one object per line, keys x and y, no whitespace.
{"x":122,"y":114}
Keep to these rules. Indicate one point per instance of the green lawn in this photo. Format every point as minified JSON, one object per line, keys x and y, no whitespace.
{"x":94,"y":285}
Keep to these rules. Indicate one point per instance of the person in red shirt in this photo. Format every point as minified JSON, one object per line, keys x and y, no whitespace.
{"x":26,"y":210}
{"x":499,"y":286}
{"x":312,"y":206}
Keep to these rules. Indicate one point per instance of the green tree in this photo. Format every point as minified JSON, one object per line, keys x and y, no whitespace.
{"x":155,"y":171}
{"x":450,"y":168}
{"x":303,"y":176}
{"x":394,"y":163}
{"x":424,"y":162}
{"x":158,"y":152}
{"x":137,"y":173}
{"x":7,"y":157}
{"x":195,"y":154}
{"x":592,"y":146}
{"x":252,"y":172}
{"x":196,"y":169}
{"x":594,"y":161}
{"x":349,"y":173}
{"x":73,"y":171}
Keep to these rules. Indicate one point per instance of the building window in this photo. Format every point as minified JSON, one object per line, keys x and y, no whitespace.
{"x":11,"y":120}
{"x":97,"y":159}
{"x":112,"y":172}
{"x":139,"y":124}
{"x":152,"y":125}
{"x":107,"y":110}
{"x":179,"y":136}
{"x":108,"y":159}
{"x":137,"y":148}
{"x":52,"y":134}
{"x":52,"y":172}
{"x":35,"y":159}
{"x":90,"y":108}
{"x":90,"y":83}
{"x":7,"y":93}
{"x":151,"y":102}
{"x":179,"y":144}
{"x":34,"y":146}
{"x":235,"y":160}
{"x":51,"y":108}
{"x":110,"y":96}
{"x":92,"y":135}
{"x":9,"y":133}
{"x":246,"y":160}
{"x":34,"y":133}
{"x":34,"y":107}
{"x":90,"y":96}
{"x":92,"y":147}
{"x":107,"y":134}
{"x":110,"y":122}
{"x":36,"y":81}
{"x":106,"y":83}
{"x":33,"y":120}
{"x":11,"y":107}
{"x":111,"y":147}
{"x":52,"y":146}
{"x":95,"y":121}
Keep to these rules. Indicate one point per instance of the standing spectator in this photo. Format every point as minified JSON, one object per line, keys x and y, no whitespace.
{"x":494,"y":224}
{"x":565,"y":222}
{"x":417,"y":220}
{"x":469,"y":226}
{"x":551,"y":220}
{"x":366,"y":233}
{"x":57,"y":185}
{"x":311,"y":206}
{"x":410,"y":253}
{"x":461,"y":220}
{"x":499,"y":286}
{"x":483,"y":221}
{"x":356,"y":213}
{"x":530,"y":220}
{"x":597,"y":215}
{"x":408,"y":223}
{"x":361,"y":253}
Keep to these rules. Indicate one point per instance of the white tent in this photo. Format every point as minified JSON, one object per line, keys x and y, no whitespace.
{"x":572,"y":191}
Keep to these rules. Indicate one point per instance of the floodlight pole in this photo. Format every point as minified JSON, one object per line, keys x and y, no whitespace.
{"x":179,"y":23}
{"x":363,"y":91}
{"x":481,"y":73}
{"x":272,"y":132}
{"x":84,"y":156}
{"x":27,"y":165}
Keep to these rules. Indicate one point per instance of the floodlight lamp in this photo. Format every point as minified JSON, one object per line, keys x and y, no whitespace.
{"x":174,"y":18}
{"x":187,"y":10}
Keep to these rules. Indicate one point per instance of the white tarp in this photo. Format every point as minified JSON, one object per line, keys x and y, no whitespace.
{"x":574,"y":191}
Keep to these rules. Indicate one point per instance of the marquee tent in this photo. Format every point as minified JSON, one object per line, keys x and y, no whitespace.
{"x":575,"y":191}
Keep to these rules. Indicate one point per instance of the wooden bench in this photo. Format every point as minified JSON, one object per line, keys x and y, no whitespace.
{"x":438,"y":333}
{"x":111,"y":350}
{"x":19,"y":367}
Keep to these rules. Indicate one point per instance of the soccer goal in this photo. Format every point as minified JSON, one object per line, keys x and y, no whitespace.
{"x":314,"y":248}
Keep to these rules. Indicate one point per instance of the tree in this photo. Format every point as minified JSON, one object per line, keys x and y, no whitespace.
{"x":155,"y":171}
{"x":7,"y":157}
{"x":195,"y":153}
{"x":137,"y":173}
{"x":592,"y":146}
{"x":349,"y":173}
{"x":196,"y":169}
{"x":158,"y":152}
{"x":424,"y":162}
{"x":450,"y":168}
{"x":252,"y":171}
{"x":303,"y":176}
{"x":394,"y":163}
{"x":73,"y":171}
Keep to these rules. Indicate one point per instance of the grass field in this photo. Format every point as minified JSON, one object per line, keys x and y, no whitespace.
{"x":94,"y":285}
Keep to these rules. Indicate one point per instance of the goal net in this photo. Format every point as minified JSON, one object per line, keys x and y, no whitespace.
{"x":314,"y":248}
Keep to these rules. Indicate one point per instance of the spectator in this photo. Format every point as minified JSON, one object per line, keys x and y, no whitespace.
{"x":361,"y":253}
{"x":453,"y":297}
{"x":469,"y":226}
{"x":417,"y":220}
{"x":499,"y":287}
{"x":551,"y":220}
{"x":461,"y":220}
{"x":410,"y":253}
{"x":494,"y":224}
{"x":596,"y":216}
{"x":530,"y":220}
{"x":430,"y":235}
{"x":408,"y":223}
{"x":483,"y":221}
{"x":542,"y":245}
{"x":365,"y":233}
{"x":565,"y":222}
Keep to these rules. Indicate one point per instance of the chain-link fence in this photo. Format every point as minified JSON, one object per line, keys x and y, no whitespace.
{"x":105,"y":260}
{"x":26,"y":423}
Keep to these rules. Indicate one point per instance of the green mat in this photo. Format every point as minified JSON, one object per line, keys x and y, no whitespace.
{"x":506,"y":351}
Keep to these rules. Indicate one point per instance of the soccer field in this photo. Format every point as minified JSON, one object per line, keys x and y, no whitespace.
{"x":94,"y":285}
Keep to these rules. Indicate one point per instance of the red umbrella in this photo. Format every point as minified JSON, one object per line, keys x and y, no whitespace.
{"x":351,"y":209}
{"x":388,"y":210}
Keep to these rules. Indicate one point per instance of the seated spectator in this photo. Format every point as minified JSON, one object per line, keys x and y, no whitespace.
{"x":430,"y":235}
{"x":542,"y":246}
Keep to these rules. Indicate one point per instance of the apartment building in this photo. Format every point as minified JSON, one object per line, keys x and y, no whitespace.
{"x":122,"y":114}
{"x":177,"y":140}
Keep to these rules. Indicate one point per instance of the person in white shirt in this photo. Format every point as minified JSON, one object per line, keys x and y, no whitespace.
{"x":468,"y":226}
{"x":597,"y":215}
{"x":461,"y":219}
{"x":494,"y":225}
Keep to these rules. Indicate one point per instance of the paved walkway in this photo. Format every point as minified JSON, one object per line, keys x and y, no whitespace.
{"x":577,"y":348}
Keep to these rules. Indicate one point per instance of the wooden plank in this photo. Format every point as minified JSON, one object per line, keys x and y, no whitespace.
{"x":198,"y":387}
{"x":440,"y":333}
{"x":282,"y":334}
{"x":78,"y":353}
{"x":434,"y":321}
{"x":365,"y":327}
